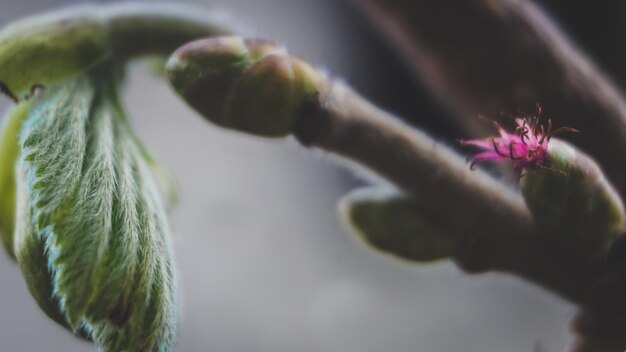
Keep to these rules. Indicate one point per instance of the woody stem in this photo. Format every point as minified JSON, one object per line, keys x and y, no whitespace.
{"x":495,"y":229}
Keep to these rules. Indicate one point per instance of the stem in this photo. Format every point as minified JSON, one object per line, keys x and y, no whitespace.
{"x":519,"y":57}
{"x":352,"y":127}
{"x":497,"y":232}
{"x":138,"y":29}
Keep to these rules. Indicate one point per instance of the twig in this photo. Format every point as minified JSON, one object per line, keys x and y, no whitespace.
{"x":496,"y":230}
{"x":486,"y":212}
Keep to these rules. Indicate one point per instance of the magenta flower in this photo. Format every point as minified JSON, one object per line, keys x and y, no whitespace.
{"x":527,"y":147}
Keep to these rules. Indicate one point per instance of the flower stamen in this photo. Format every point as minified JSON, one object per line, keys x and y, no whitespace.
{"x":527,"y":146}
{"x":511,"y":153}
{"x":495,"y":148}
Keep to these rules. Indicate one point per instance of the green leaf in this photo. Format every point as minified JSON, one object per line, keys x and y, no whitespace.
{"x":9,"y":154}
{"x":96,"y":201}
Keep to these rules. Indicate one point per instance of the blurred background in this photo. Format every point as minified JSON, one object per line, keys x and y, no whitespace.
{"x":265,"y":263}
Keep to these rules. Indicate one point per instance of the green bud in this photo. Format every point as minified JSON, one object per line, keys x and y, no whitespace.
{"x":574,"y":202}
{"x":9,"y":154}
{"x":398,"y":225}
{"x":247,"y":85}
{"x":204,"y":71}
{"x":93,"y":239}
{"x":44,"y":49}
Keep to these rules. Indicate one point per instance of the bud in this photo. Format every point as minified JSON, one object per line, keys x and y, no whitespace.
{"x":574,"y":203}
{"x":44,"y":49}
{"x":247,"y":85}
{"x":204,"y":71}
{"x":398,"y":225}
{"x":92,"y":235}
{"x":565,"y":190}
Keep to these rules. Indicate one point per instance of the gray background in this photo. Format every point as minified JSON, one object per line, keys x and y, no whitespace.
{"x":265,"y":263}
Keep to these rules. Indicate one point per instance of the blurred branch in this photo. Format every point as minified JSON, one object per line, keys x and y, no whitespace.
{"x":492,"y":56}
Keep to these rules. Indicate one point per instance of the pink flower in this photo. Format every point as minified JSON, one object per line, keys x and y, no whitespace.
{"x":527,"y":147}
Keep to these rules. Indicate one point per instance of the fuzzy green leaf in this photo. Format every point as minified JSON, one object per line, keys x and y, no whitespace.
{"x":96,"y":202}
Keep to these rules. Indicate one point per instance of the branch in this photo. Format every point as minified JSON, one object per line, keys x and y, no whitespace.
{"x":495,"y":230}
{"x":493,"y":222}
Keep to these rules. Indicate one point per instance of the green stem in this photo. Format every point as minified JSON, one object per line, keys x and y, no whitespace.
{"x":138,"y":29}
